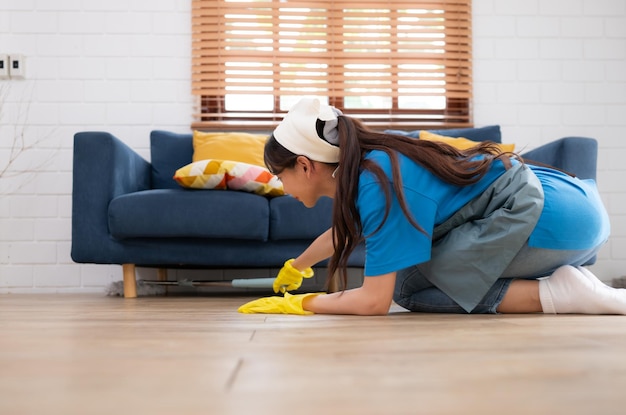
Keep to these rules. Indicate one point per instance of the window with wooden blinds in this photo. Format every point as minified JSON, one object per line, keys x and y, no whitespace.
{"x":393,"y":64}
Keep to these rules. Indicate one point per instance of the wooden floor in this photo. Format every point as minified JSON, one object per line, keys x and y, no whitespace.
{"x":92,"y":354}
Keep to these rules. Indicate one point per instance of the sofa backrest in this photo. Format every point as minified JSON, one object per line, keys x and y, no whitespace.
{"x":168,"y":153}
{"x":490,"y":132}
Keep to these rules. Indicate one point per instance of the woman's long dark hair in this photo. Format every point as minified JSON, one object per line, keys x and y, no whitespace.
{"x":461,"y":168}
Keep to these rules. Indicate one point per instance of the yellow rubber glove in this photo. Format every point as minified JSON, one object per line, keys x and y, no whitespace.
{"x":289,"y":304}
{"x":290,"y":278}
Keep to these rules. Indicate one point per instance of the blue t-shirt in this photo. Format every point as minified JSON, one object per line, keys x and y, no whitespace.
{"x":572,"y":218}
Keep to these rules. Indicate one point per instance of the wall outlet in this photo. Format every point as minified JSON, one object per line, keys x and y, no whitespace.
{"x":17,"y":68}
{"x":4,"y":66}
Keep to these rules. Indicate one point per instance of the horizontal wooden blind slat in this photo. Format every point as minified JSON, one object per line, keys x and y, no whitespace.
{"x":207,"y":6}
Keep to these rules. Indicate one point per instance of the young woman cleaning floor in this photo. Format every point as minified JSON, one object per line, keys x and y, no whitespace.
{"x":474,"y":231}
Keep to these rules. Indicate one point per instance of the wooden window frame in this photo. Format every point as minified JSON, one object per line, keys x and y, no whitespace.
{"x":216,"y":42}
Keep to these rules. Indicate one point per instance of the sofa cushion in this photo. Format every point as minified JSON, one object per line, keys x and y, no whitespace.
{"x":228,"y":174}
{"x":243,"y":147}
{"x":168,"y":152}
{"x":290,"y":219}
{"x":167,"y":213}
{"x":490,"y":133}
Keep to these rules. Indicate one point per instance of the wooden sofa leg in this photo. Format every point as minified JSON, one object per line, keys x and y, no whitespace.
{"x":130,"y":283}
{"x":162,"y":274}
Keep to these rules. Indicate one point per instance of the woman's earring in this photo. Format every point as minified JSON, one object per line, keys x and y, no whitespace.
{"x":334,"y":172}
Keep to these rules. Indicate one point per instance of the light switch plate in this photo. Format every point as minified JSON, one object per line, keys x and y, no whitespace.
{"x":17,"y":67}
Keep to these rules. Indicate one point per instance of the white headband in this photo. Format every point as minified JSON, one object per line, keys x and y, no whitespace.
{"x":298,"y":131}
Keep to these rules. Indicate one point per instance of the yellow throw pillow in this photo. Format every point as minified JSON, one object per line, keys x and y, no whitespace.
{"x":460,"y":143}
{"x":243,"y":147}
{"x":228,"y":174}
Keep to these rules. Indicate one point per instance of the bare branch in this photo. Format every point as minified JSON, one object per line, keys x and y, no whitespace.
{"x":18,"y":147}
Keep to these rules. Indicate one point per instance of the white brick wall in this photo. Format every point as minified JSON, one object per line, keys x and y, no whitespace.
{"x":543,"y":70}
{"x":553,"y":68}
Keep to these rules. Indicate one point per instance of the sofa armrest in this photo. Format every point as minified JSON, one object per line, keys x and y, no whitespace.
{"x":578,"y":155}
{"x":104,"y":168}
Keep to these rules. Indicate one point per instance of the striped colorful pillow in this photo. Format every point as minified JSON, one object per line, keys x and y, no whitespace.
{"x":228,"y":174}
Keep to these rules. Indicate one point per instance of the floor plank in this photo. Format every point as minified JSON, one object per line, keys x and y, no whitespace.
{"x":92,"y":354}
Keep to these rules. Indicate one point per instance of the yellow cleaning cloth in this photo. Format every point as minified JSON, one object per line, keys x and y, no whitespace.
{"x":289,"y":304}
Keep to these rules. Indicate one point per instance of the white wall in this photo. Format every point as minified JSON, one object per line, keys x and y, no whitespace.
{"x":545,"y":69}
{"x":542,"y":69}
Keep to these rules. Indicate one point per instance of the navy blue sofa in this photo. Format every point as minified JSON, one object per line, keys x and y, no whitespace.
{"x":128,"y":211}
